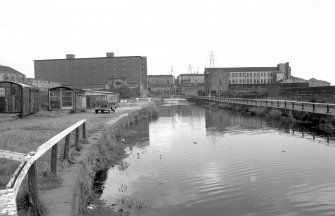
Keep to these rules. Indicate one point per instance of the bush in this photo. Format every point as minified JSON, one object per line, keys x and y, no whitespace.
{"x":126,"y":92}
{"x":275,"y":113}
{"x":258,"y":110}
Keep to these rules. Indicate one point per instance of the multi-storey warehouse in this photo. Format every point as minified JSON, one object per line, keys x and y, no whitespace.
{"x":95,"y":72}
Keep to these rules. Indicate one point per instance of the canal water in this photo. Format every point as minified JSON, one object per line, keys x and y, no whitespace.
{"x":195,"y":160}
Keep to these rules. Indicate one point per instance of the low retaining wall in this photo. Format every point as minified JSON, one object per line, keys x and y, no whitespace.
{"x":72,"y":197}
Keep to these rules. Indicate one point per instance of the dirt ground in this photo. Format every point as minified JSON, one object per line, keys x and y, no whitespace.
{"x":26,"y":134}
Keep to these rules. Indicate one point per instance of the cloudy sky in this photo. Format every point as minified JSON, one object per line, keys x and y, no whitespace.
{"x":174,"y":33}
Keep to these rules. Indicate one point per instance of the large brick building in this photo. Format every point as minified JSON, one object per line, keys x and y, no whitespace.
{"x":190,"y":78}
{"x":217,"y":80}
{"x":94,"y":72}
{"x":161,"y":84}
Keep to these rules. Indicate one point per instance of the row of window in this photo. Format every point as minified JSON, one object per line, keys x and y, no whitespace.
{"x":239,"y":74}
{"x":250,"y":81}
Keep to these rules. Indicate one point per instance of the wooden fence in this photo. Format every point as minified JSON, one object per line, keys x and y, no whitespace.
{"x":321,"y":108}
{"x":143,"y":99}
{"x":28,"y":166}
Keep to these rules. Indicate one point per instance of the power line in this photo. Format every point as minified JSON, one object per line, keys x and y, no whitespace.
{"x":212,"y":58}
{"x":190,"y":71}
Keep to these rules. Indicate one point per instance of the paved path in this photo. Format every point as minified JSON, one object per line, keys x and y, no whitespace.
{"x":61,"y":200}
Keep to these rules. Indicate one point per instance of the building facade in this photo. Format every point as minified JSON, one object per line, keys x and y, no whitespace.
{"x":190,"y":78}
{"x":161,"y":84}
{"x":217,"y":80}
{"x":93,"y":73}
{"x":10,"y":74}
{"x":160,"y":79}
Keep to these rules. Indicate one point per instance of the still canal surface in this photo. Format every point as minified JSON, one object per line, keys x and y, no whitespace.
{"x":195,"y":160}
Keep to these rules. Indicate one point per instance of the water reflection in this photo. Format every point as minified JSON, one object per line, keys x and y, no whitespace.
{"x":199,"y":161}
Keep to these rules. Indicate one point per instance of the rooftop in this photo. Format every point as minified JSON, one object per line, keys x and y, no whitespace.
{"x":6,"y":69}
{"x":189,"y":74}
{"x":242,"y":69}
{"x":162,"y":75}
{"x":115,"y":57}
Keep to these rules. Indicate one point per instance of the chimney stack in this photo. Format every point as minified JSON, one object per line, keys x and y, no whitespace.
{"x":110,"y":55}
{"x":70,"y":56}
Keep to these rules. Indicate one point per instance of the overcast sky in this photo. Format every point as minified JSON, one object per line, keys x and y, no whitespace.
{"x":255,"y":33}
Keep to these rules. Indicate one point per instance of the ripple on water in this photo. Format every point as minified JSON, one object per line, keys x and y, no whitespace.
{"x":200,"y":162}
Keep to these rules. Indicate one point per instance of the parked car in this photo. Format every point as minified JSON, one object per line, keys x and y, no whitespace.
{"x":106,"y":103}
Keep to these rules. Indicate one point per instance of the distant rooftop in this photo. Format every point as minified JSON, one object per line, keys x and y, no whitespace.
{"x":243,"y":69}
{"x":162,"y":75}
{"x":190,"y":74}
{"x":109,"y":55}
{"x":6,"y":69}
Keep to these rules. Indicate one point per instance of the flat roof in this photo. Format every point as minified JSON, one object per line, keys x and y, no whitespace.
{"x":91,"y":58}
{"x":162,"y":75}
{"x":242,"y":69}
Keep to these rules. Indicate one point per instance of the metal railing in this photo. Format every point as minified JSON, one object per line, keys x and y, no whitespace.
{"x":28,"y":166}
{"x":322,"y":108}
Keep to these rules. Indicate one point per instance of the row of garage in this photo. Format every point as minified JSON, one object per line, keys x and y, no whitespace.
{"x":24,"y":100}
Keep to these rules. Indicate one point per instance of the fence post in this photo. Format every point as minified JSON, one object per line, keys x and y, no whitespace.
{"x":277,"y":103}
{"x":84,"y":130}
{"x":328,"y":108}
{"x":53,"y":166}
{"x":76,"y":143}
{"x":66,"y":147}
{"x":313,"y":107}
{"x":266,"y":103}
{"x":292,"y":105}
{"x":302,"y":106}
{"x":33,"y":190}
{"x":285,"y":104}
{"x":272,"y":103}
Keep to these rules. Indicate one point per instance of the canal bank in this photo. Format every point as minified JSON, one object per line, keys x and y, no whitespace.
{"x":197,"y":160}
{"x":100,"y":150}
{"x":322,"y":122}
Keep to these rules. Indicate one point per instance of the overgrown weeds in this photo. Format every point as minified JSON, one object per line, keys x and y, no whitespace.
{"x":260,"y":111}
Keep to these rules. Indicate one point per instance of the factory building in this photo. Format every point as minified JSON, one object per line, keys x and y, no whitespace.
{"x":95,"y":72}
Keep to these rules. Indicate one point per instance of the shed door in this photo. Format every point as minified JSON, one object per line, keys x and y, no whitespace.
{"x":54,"y":97}
{"x":2,"y":100}
{"x":67,"y":99}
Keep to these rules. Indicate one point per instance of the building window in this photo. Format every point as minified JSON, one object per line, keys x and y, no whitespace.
{"x":67,"y":99}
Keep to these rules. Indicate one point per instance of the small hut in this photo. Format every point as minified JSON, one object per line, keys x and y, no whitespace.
{"x":95,"y":98}
{"x":18,"y":98}
{"x":65,"y":98}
